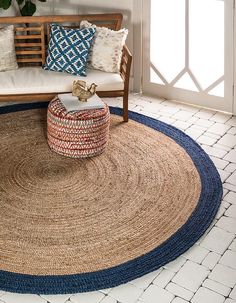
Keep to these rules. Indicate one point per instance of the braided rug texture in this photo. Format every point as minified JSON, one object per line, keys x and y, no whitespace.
{"x":75,"y":225}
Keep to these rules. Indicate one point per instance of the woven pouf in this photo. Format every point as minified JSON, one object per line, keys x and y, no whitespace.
{"x":77,"y":134}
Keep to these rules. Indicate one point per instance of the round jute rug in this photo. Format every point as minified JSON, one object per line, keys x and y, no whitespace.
{"x":70,"y":225}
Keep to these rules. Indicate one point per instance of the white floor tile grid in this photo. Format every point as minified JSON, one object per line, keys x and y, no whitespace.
{"x":206,"y":273}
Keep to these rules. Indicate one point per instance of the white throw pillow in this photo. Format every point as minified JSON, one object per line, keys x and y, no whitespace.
{"x":7,"y":49}
{"x":106,"y":51}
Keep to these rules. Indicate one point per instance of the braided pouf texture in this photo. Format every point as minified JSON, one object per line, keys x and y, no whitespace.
{"x":78,"y":134}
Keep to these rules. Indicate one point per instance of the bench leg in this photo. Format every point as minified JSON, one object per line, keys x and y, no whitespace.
{"x":126,"y":107}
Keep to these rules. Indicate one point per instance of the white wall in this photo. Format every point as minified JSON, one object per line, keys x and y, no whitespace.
{"x":131,"y":10}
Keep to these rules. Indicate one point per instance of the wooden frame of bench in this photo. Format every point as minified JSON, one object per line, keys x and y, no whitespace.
{"x":31,"y":39}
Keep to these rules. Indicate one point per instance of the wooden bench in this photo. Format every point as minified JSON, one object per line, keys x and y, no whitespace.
{"x":31,"y":40}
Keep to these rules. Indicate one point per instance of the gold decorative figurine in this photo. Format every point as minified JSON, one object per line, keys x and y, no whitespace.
{"x":81,"y":90}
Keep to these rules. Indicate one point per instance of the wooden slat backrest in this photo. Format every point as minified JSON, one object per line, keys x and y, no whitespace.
{"x":31,"y":33}
{"x":30,"y":44}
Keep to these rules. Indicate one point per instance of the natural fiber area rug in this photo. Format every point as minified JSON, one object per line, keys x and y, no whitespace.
{"x":70,"y":225}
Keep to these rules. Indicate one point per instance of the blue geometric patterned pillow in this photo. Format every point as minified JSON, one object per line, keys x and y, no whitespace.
{"x":68,"y":49}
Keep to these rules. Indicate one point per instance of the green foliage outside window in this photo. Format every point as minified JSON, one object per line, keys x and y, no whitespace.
{"x":26,"y":7}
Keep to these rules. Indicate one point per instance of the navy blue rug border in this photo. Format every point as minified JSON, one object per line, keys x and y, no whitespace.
{"x":176,"y":245}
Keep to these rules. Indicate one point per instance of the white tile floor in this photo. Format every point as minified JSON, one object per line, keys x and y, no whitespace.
{"x":207,"y":272}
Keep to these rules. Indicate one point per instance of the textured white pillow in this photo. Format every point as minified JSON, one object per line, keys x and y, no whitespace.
{"x":7,"y":49}
{"x":106,"y":51}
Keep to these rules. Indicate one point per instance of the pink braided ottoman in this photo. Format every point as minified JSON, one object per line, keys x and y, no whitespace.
{"x":78,"y":134}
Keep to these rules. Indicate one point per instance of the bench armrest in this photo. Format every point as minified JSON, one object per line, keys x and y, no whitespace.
{"x":125,"y":66}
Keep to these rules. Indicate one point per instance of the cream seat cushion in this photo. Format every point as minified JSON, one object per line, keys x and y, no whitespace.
{"x":33,"y":80}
